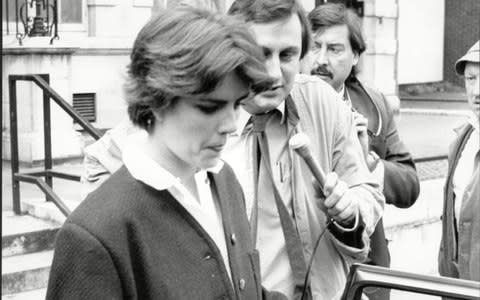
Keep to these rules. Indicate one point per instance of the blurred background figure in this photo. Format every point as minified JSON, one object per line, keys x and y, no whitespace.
{"x":460,"y":247}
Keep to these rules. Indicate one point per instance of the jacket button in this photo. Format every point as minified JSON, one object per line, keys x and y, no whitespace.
{"x":233,"y":238}
{"x":241,"y":284}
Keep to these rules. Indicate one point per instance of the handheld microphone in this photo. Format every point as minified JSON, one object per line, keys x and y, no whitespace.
{"x":301,"y":144}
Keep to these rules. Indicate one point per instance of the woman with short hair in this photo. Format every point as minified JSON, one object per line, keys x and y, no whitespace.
{"x":171,"y":222}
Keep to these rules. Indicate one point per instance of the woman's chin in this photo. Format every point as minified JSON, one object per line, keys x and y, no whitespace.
{"x":209,"y":163}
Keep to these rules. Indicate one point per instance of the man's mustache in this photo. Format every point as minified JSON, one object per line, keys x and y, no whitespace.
{"x":322,"y":71}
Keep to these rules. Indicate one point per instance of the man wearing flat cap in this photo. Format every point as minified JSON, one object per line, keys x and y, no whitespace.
{"x":460,"y":247}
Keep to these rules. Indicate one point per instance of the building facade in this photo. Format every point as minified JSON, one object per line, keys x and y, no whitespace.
{"x":87,"y":64}
{"x":462,"y":29}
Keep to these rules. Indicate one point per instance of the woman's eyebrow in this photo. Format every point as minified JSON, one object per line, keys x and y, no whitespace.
{"x":243,"y":97}
{"x":218,"y":100}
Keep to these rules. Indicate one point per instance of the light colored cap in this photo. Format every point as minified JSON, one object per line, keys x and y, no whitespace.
{"x":472,"y":55}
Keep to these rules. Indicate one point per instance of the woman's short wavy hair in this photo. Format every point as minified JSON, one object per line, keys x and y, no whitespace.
{"x":186,"y":52}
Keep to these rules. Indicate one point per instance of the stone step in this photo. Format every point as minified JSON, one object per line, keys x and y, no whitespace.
{"x":29,"y":295}
{"x":26,"y":272}
{"x":46,"y":210}
{"x":26,"y":234}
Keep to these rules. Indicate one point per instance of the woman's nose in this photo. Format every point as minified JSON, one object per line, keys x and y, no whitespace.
{"x":229,"y":122}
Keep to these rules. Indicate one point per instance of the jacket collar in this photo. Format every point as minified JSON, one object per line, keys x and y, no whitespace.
{"x":355,"y":89}
{"x":244,"y":122}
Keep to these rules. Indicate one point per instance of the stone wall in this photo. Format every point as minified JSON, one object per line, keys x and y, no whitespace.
{"x":89,"y":61}
{"x":379,"y":62}
{"x":96,"y":59}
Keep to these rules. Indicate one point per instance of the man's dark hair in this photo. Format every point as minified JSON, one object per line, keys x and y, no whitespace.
{"x":265,"y":11}
{"x":332,"y":14}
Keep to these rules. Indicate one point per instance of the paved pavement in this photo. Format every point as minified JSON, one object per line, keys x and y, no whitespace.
{"x":428,"y":134}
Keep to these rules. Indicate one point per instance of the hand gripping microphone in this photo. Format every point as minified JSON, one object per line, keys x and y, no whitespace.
{"x":301,"y":144}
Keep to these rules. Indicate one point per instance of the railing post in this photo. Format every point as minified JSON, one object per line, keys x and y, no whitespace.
{"x":47,"y":134}
{"x":12,"y":85}
{"x":7,"y":17}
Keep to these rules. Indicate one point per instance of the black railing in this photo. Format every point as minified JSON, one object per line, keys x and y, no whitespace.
{"x":430,"y":158}
{"x":32,"y":18}
{"x":363,"y":276}
{"x":42,"y":81}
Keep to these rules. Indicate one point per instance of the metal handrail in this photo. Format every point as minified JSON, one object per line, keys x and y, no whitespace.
{"x":363,"y":276}
{"x":42,"y":81}
{"x":45,"y":86}
{"x":67,"y":107}
{"x":430,"y":158}
{"x":46,"y":189}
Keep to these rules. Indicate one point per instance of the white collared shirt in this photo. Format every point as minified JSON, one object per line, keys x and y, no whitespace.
{"x":342,"y":94}
{"x":205,"y":210}
{"x":464,"y":170}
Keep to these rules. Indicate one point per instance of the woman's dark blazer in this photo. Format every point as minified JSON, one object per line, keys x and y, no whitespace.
{"x":130,"y":241}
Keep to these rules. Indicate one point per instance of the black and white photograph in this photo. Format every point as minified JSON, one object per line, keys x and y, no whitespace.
{"x":240,"y":149}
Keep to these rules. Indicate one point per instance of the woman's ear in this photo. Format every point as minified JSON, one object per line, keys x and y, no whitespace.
{"x":158,"y":114}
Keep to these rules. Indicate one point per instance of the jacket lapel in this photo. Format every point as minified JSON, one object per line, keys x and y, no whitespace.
{"x":450,"y":246}
{"x":363,"y":103}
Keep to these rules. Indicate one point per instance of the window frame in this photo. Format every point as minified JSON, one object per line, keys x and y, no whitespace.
{"x":63,"y":28}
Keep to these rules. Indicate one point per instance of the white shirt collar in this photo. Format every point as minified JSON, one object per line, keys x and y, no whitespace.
{"x":145,"y":169}
{"x":342,"y":91}
{"x":473,"y":120}
{"x":244,"y":118}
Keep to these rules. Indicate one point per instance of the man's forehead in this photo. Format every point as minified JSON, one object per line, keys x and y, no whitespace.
{"x":332,"y":34}
{"x":288,"y":28}
{"x":471,"y":66}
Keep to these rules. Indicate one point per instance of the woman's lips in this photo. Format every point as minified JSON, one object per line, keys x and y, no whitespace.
{"x":273,"y":92}
{"x":217,"y":148}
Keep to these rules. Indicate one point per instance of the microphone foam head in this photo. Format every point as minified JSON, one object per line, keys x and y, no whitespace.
{"x":299,"y":141}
